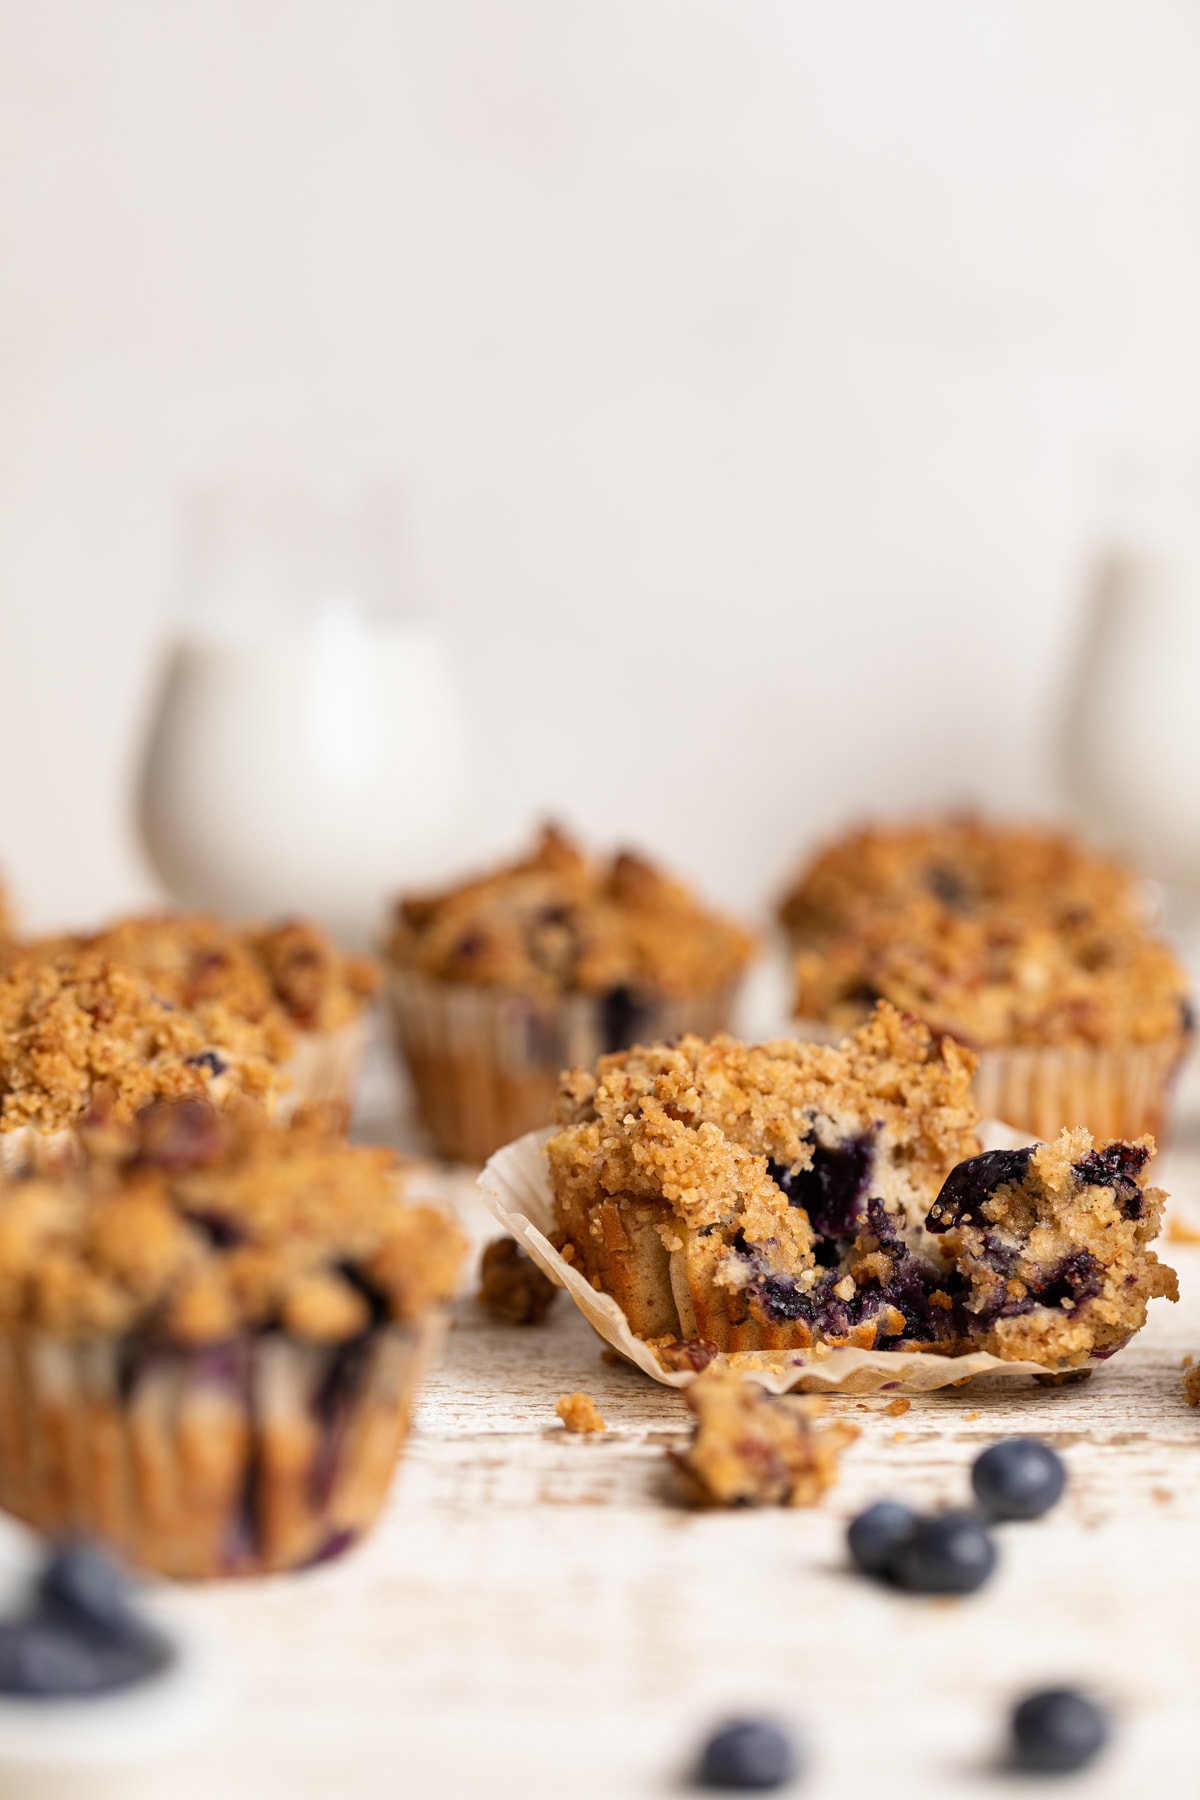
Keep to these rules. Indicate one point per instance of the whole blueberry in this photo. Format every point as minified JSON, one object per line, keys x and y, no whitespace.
{"x":44,"y":1660}
{"x":1018,"y":1478}
{"x":950,"y":1553}
{"x":746,"y":1754}
{"x":88,"y":1586}
{"x":1057,"y":1730}
{"x":876,"y":1535}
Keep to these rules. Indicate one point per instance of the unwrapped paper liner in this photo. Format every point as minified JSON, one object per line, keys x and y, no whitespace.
{"x":515,"y":1186}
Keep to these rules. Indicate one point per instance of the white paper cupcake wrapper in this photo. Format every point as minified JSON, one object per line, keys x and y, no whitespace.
{"x":324,"y":1066}
{"x":516,"y":1190}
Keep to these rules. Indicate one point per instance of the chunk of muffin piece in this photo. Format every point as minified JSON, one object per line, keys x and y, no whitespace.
{"x":718,"y":1190}
{"x":751,"y":1449}
{"x":1191,"y":1386}
{"x":511,"y":1286}
{"x":1053,"y":1244}
{"x":579,"y":1413}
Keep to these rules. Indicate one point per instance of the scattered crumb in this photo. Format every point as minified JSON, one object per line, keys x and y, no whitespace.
{"x":1164,"y":1496}
{"x":861,"y":1406}
{"x":898,"y":1437}
{"x":896,"y":1409}
{"x":1191,"y":1387}
{"x":969,"y":1416}
{"x":1064,"y":1378}
{"x":749,"y":1448}
{"x":1180,"y":1232}
{"x":511,"y":1286}
{"x":610,"y":1356}
{"x":1187,"y":1362}
{"x":579,"y":1412}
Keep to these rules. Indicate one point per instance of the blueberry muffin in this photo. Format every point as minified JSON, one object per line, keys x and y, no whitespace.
{"x":500,"y":983}
{"x":286,"y":989}
{"x":969,"y":866}
{"x":790,"y":1195}
{"x":84,"y":1037}
{"x":210,"y":1333}
{"x":1075,"y":1023}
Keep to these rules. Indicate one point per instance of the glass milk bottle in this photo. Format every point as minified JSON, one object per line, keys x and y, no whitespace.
{"x":307,"y":750}
{"x":1133,"y":721}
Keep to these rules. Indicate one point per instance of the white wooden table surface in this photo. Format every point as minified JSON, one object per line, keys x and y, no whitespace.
{"x":537,"y":1615}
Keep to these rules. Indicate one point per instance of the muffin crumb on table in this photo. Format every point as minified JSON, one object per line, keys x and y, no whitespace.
{"x":511,"y":1286}
{"x":579,"y":1413}
{"x":750,"y":1449}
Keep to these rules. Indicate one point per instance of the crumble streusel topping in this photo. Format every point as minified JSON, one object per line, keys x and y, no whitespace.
{"x":273,"y":977}
{"x":560,"y":921}
{"x":969,"y":865}
{"x":750,"y":1449}
{"x":79,"y":1031}
{"x":192,"y":1225}
{"x":999,"y":978}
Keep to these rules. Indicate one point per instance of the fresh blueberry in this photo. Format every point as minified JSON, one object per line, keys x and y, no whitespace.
{"x":1018,"y":1478}
{"x":875,"y":1536}
{"x":950,"y":1553}
{"x":749,"y":1753}
{"x":86,"y":1585}
{"x":1057,"y":1730}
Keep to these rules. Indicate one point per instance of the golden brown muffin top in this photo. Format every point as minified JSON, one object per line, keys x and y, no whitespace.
{"x":699,"y":1123}
{"x":968,"y":865}
{"x":79,"y":1032}
{"x":560,"y":921}
{"x":193,"y":1225}
{"x":999,"y":978}
{"x":277,"y":976}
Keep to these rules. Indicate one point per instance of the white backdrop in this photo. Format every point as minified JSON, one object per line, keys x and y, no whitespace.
{"x":759,"y":373}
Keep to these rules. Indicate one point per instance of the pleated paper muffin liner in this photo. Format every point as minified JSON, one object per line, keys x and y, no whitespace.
{"x":516,"y":1190}
{"x":485,"y":1062}
{"x":325,"y":1065}
{"x":1123,"y":1091}
{"x":261,"y":1454}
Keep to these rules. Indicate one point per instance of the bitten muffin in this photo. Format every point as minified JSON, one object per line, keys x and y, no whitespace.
{"x":500,"y":983}
{"x":787,"y":1195}
{"x":968,"y":865}
{"x":286,"y":989}
{"x":82,"y":1036}
{"x":209,"y":1338}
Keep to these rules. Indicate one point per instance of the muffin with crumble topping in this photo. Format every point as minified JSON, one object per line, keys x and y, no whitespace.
{"x":84,"y":1037}
{"x":968,"y":865}
{"x":500,"y":983}
{"x":788,"y":1195}
{"x":1083,"y":1023}
{"x":210,"y":1334}
{"x":285,"y":989}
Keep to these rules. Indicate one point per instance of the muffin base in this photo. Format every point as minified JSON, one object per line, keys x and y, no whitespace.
{"x":485,"y":1062}
{"x":257,"y":1455}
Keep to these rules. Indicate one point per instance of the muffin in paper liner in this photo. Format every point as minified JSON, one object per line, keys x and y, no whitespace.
{"x":211,"y":1331}
{"x":515,"y":1186}
{"x":257,"y":1455}
{"x":485,"y":1062}
{"x":1122,"y":1090}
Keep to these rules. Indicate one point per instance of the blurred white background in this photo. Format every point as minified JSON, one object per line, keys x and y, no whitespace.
{"x":759,"y":374}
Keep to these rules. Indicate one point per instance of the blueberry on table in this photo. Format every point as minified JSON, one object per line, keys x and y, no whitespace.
{"x":748,"y":1754}
{"x":950,"y":1553}
{"x":89,"y":1586}
{"x":876,"y":1535}
{"x":1018,"y":1478}
{"x":1057,"y":1731}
